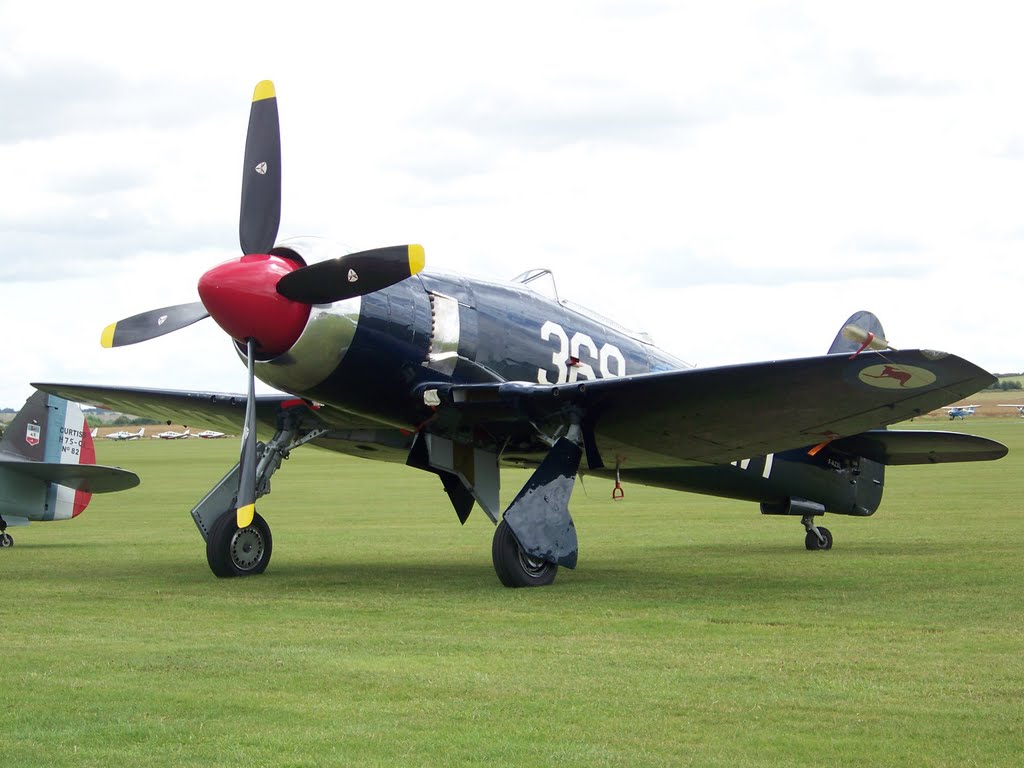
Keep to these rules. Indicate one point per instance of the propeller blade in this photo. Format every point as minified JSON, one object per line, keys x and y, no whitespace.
{"x":261,"y":175}
{"x":149,"y":325}
{"x":247,"y":477}
{"x":355,"y":274}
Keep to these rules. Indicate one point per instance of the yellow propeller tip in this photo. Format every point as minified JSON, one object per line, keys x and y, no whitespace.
{"x":417,"y":259}
{"x":245,"y":514}
{"x":107,"y":337}
{"x":264,"y":90}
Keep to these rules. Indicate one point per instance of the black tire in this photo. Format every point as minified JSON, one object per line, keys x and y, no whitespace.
{"x":812,"y":542}
{"x":6,"y":540}
{"x":231,"y":551}
{"x":514,"y":567}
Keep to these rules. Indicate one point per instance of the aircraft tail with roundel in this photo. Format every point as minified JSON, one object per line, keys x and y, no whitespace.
{"x":843,"y":475}
{"x":48,"y":467}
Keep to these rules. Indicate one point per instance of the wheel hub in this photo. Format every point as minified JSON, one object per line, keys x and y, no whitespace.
{"x":532,"y":566}
{"x":247,"y":548}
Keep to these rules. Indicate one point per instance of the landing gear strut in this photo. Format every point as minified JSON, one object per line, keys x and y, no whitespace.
{"x":233,"y":551}
{"x":818,"y":536}
{"x":536,"y":534}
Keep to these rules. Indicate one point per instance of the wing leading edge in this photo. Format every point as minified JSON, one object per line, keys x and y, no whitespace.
{"x":220,"y":410}
{"x":213,"y":409}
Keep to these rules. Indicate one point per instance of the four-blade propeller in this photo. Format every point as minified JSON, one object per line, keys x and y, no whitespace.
{"x":261,"y":300}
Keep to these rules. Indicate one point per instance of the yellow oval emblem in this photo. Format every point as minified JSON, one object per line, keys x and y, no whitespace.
{"x":896,"y":376}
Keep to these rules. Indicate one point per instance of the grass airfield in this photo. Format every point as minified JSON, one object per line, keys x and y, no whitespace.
{"x":694,"y":632}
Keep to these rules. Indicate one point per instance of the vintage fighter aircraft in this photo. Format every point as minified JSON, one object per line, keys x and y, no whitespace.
{"x":48,"y":467}
{"x":457,"y":376}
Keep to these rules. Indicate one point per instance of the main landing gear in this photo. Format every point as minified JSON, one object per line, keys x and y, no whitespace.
{"x":537,"y":534}
{"x":6,"y":540}
{"x":233,"y":551}
{"x":516,"y":568}
{"x":818,"y":536}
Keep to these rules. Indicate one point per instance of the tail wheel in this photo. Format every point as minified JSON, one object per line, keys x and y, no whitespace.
{"x":516,"y":568}
{"x":233,"y":551}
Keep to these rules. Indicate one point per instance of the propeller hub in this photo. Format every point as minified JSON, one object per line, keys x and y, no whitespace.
{"x":241,"y":296}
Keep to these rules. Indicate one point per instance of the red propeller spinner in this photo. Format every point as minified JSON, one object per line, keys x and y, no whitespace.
{"x":241,"y":296}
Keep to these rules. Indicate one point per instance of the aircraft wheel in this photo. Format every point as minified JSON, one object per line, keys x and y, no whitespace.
{"x":514,"y":567}
{"x":6,"y":540}
{"x":234,"y":551}
{"x":812,"y":542}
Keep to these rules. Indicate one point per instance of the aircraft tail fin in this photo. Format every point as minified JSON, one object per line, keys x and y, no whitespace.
{"x":859,"y":330}
{"x":35,"y":433}
{"x":48,"y":461}
{"x":845,"y":341}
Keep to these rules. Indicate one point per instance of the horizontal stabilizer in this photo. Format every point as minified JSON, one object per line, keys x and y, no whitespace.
{"x":90,"y":478}
{"x":895,"y":447}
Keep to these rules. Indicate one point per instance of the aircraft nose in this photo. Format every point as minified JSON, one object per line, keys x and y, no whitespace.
{"x":241,"y":296}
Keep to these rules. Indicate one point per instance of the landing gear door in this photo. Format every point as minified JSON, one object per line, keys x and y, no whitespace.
{"x":476,"y":469}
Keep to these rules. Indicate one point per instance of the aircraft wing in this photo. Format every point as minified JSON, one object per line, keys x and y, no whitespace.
{"x":913,"y":446}
{"x":224,"y":411}
{"x":717,"y":415}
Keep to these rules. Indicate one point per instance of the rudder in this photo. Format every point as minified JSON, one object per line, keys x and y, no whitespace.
{"x":866,"y":321}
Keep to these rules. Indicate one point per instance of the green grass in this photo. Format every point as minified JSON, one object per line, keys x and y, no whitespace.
{"x":694,"y":632}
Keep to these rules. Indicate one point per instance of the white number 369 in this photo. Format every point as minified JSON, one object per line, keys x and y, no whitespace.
{"x":571,"y":356}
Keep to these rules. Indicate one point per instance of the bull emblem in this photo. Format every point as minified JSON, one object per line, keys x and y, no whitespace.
{"x":888,"y":372}
{"x":893,"y":377}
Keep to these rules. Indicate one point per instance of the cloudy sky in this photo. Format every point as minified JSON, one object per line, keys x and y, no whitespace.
{"x":735,"y":178}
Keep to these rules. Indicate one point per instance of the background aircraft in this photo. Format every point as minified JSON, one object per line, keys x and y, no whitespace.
{"x":48,"y":467}
{"x":210,"y":434}
{"x":1020,"y":408}
{"x":960,"y":411}
{"x":172,"y":435}
{"x":123,"y":435}
{"x":459,"y":376}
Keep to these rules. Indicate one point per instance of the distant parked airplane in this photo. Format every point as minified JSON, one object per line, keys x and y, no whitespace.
{"x":122,"y":435}
{"x":48,"y":467}
{"x":210,"y":434}
{"x":961,"y":411}
{"x":172,"y":435}
{"x":1020,"y":408}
